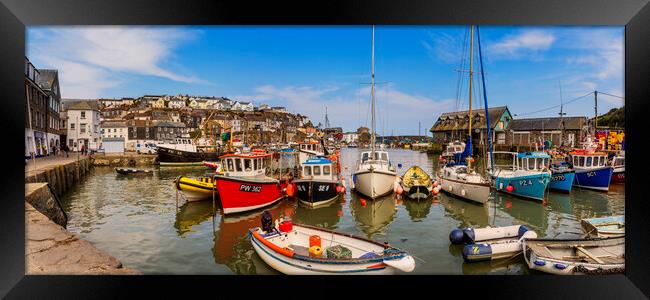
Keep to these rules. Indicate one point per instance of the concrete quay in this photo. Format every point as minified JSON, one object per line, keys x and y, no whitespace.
{"x":124,"y":159}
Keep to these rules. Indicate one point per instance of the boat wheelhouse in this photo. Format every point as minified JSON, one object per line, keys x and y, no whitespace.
{"x":318,"y":182}
{"x":527,"y":176}
{"x":308,"y":149}
{"x":618,"y":163}
{"x":244,"y":185}
{"x":592,"y":170}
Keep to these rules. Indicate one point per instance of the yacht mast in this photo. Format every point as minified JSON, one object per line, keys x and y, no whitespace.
{"x":471,"y":53}
{"x":372,"y":95}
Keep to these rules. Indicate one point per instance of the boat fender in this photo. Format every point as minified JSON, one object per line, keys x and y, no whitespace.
{"x":291,"y":190}
{"x":477,"y":252}
{"x":510,"y":188}
{"x":468,"y":235}
{"x":456,"y":236}
{"x":522,"y":230}
{"x":539,"y":263}
{"x":560,"y":266}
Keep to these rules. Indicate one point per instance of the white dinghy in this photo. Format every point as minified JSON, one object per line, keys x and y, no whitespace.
{"x":306,"y":250}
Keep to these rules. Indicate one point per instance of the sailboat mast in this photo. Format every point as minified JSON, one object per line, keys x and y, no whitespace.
{"x":471,"y":60}
{"x":372,"y":95}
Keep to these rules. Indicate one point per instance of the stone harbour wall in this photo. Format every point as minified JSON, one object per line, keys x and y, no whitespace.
{"x":52,"y":250}
{"x":39,"y":196}
{"x":60,"y":177}
{"x":124,"y":160}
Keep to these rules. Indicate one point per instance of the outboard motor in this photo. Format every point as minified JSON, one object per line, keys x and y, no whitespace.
{"x":267,"y":222}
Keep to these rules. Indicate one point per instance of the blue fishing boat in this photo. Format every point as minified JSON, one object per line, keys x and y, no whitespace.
{"x":592,"y":170}
{"x":562,"y":176}
{"x":528,"y":176}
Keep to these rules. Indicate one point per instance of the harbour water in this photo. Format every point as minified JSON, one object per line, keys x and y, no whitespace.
{"x":136,"y":219}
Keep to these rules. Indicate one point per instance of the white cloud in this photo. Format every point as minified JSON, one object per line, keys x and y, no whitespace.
{"x":443,"y":47}
{"x":94,"y":56}
{"x":525,"y":42}
{"x":399,"y":109}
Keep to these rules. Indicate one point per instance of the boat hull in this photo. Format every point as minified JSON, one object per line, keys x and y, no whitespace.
{"x":527,"y":186}
{"x":418,"y":192}
{"x":594,"y":179}
{"x":618,"y":176}
{"x":476,"y":192}
{"x":562,"y":181}
{"x":195,"y":190}
{"x":239,"y":194}
{"x":374,"y":184}
{"x":167,"y":155}
{"x":554,"y":262}
{"x":316,"y":193}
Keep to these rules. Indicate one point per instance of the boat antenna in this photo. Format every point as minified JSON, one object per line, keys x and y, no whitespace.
{"x":372,"y":95}
{"x":487,"y":115}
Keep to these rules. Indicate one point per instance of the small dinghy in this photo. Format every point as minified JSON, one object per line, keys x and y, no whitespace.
{"x":127,"y":171}
{"x":417,"y":183}
{"x":305,"y":250}
{"x":491,"y":243}
{"x":613,"y":226}
{"x":576,"y":256}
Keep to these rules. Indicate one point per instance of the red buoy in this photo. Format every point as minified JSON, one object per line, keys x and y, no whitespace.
{"x":363,"y":202}
{"x":510,"y":188}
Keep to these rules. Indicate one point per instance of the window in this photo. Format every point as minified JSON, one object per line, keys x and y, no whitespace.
{"x":247,"y":165}
{"x":83,"y":114}
{"x":255,"y":164}
{"x":70,"y":142}
{"x":384,"y":156}
{"x":238,"y":164}
{"x":307,"y":170}
{"x":231,"y":168}
{"x":260,"y":163}
{"x":82,"y":128}
{"x":316,"y":170}
{"x":588,"y":162}
{"x":326,"y":170}
{"x":581,"y":161}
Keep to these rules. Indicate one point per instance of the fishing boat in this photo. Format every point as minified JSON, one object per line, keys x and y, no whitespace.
{"x":576,"y":256}
{"x":490,"y":243}
{"x":129,"y":171}
{"x":592,"y":171}
{"x":244,"y":186}
{"x":318,"y":184}
{"x":169,"y":155}
{"x":457,"y":177}
{"x":562,"y":177}
{"x":307,"y":250}
{"x":613,"y":226}
{"x":374,"y":175}
{"x":528,"y":176}
{"x":417,"y":183}
{"x":618,"y":163}
{"x":196,"y":189}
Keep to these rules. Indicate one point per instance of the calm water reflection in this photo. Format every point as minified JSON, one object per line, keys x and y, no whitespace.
{"x":136,"y":219}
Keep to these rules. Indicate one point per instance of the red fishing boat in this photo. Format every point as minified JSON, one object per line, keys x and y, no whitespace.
{"x":244,"y":186}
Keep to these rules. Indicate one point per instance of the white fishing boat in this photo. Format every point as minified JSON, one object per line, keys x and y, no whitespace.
{"x":457,"y":177}
{"x":491,"y":243}
{"x":577,"y":256}
{"x":374,"y":174}
{"x":308,"y":250}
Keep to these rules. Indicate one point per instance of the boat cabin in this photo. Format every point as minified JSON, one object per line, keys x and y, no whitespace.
{"x":317,"y":168}
{"x":380,"y":156}
{"x":244,"y":165}
{"x":453,"y":148}
{"x":311,"y":147}
{"x":533,"y":161}
{"x":527,"y":161}
{"x":585,"y":159}
{"x":618,"y":161}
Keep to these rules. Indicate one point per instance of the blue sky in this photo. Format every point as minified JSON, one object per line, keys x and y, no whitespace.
{"x":306,"y":68}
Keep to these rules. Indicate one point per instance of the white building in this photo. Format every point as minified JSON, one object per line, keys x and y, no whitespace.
{"x":83,"y":125}
{"x":350,"y":137}
{"x":114,"y":129}
{"x":176,"y":103}
{"x":243,"y":106}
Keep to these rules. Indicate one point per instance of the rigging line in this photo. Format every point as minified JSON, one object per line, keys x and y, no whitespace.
{"x":556,"y":106}
{"x":611,"y":95}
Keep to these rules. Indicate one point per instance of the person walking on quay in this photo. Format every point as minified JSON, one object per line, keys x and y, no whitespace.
{"x":83,"y":150}
{"x":66,"y":150}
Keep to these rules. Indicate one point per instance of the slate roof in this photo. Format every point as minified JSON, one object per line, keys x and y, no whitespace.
{"x":83,"y":105}
{"x":459,"y":120}
{"x":46,"y":78}
{"x":113,"y":124}
{"x":539,"y":124}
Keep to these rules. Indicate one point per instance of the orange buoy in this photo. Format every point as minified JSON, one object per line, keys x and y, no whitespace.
{"x":435,"y":183}
{"x":314,"y":240}
{"x":291,"y":189}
